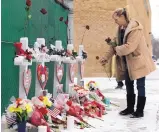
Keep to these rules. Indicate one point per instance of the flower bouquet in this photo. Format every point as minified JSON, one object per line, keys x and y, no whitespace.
{"x":76,"y":111}
{"x":82,"y":93}
{"x":41,"y":113}
{"x":95,"y":92}
{"x":94,"y":109}
{"x":37,"y":119}
{"x":97,"y":95}
{"x":20,"y":111}
{"x":60,"y":101}
{"x":42,"y":103}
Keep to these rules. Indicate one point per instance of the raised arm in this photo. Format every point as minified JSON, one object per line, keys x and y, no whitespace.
{"x":132,"y":43}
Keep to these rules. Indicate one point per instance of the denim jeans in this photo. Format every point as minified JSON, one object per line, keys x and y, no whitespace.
{"x":130,"y":85}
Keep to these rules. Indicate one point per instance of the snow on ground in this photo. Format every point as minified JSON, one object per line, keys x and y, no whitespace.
{"x":113,"y":122}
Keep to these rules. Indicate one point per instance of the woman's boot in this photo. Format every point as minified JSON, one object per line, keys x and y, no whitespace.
{"x":140,"y":107}
{"x":130,"y":105}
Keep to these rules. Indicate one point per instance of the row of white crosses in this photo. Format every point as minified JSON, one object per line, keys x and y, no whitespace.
{"x":42,"y":58}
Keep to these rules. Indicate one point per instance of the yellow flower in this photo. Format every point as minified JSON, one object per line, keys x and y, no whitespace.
{"x":47,"y":102}
{"x":18,"y":110}
{"x":28,"y":108}
{"x":13,"y":109}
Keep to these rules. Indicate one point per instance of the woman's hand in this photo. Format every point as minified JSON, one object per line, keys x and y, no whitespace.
{"x":103,"y":61}
{"x":111,"y":42}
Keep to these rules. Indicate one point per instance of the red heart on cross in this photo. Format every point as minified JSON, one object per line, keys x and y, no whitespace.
{"x":27,"y":80}
{"x":42,"y":74}
{"x":59,"y":72}
{"x":82,"y":69}
{"x":72,"y":72}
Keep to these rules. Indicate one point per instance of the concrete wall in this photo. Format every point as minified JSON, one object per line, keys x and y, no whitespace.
{"x":98,"y":15}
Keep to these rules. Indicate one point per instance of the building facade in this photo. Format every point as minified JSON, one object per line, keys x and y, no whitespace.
{"x":98,"y":15}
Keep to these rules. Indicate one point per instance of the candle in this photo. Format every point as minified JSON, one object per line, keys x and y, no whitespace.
{"x":70,"y":123}
{"x":58,"y":44}
{"x":81,"y":48}
{"x":42,"y":128}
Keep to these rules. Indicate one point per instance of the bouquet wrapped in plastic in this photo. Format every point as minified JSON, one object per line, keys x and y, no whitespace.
{"x":94,"y":109}
{"x":60,"y":101}
{"x":41,"y":115}
{"x":37,"y":119}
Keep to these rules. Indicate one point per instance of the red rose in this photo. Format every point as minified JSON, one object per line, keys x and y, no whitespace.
{"x":61,"y":18}
{"x":66,"y":22}
{"x":43,"y":11}
{"x":87,"y":27}
{"x":69,"y":103}
{"x":28,"y":2}
{"x":18,"y":45}
{"x":108,"y":40}
{"x":97,"y":57}
{"x":43,"y":111}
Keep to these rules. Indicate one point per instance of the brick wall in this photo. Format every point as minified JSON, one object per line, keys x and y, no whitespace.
{"x":140,"y":13}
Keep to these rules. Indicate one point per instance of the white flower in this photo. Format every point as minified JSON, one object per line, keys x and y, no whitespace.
{"x":49,"y":95}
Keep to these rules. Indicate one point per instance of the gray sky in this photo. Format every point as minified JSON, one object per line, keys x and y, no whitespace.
{"x":155,"y":17}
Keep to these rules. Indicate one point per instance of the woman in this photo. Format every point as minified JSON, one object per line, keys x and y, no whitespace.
{"x":133,"y":60}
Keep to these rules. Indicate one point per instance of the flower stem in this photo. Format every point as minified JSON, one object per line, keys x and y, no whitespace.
{"x":69,"y":36}
{"x":26,"y":24}
{"x":58,"y":32}
{"x":83,"y":36}
{"x":106,"y":73}
{"x":19,"y":116}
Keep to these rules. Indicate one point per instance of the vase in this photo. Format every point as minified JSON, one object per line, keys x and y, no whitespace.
{"x":22,"y":127}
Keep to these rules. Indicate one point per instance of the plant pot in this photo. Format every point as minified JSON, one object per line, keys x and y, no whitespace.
{"x":22,"y":127}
